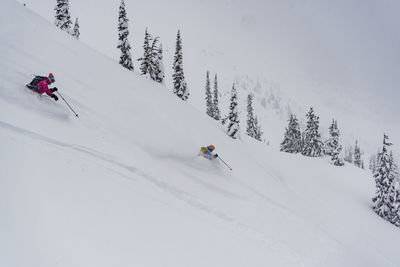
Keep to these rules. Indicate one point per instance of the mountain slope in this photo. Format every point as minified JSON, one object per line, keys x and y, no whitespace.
{"x":123,"y":185}
{"x":338,"y":57}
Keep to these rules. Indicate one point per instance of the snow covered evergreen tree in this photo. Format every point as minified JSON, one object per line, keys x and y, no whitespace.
{"x":180,"y":86}
{"x":394,"y":196}
{"x":372,"y":162}
{"x":233,"y":128}
{"x":250,"y":129}
{"x":123,"y":32}
{"x":312,"y":145}
{"x":348,"y":154}
{"x":154,"y":70}
{"x":224,"y":119}
{"x":292,"y":138}
{"x":160,"y":65}
{"x":357,"y":156}
{"x":386,"y":201}
{"x":336,"y":159}
{"x":258,"y":132}
{"x":150,"y":66}
{"x":209,"y":102}
{"x":216,"y":112}
{"x":75,"y":31}
{"x":145,"y":60}
{"x":333,"y":140}
{"x":332,"y":146}
{"x":63,"y":18}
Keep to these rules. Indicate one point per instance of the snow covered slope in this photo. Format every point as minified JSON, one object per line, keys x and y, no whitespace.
{"x":339,"y":57}
{"x":123,"y":185}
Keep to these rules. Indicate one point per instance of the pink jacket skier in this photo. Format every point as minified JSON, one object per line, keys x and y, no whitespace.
{"x":41,"y":85}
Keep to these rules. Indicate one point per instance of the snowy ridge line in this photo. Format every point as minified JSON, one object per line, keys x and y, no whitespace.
{"x":277,"y":245}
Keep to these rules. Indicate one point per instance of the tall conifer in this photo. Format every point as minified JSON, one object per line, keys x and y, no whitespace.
{"x":372,"y":162}
{"x":151,"y":64}
{"x":312,"y":145}
{"x":250,"y":129}
{"x":180,"y":86}
{"x":145,"y":60}
{"x":386,"y":201}
{"x":357,"y":156}
{"x":63,"y":18}
{"x":209,"y":103}
{"x":125,"y":59}
{"x":292,"y":138}
{"x":233,"y":128}
{"x":160,"y":65}
{"x":348,"y":154}
{"x":216,"y":112}
{"x":257,"y":128}
{"x":332,"y":145}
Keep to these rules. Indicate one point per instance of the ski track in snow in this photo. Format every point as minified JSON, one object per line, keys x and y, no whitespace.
{"x":52,"y":109}
{"x":278,"y":246}
{"x":201,"y":182}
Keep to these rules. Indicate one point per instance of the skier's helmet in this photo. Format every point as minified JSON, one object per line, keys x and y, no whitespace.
{"x":211,"y":147}
{"x":51,"y":78}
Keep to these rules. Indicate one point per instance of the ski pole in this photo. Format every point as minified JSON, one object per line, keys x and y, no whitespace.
{"x":67,"y":104}
{"x":224,"y":163}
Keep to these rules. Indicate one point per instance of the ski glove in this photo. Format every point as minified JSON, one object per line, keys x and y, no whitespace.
{"x":53,"y":89}
{"x":54,"y":96}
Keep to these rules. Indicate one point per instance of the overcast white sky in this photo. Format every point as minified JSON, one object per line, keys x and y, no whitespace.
{"x":352,"y":45}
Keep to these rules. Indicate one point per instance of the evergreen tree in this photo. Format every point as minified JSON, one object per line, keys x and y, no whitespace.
{"x":333,"y":140}
{"x":153,"y":67}
{"x":209,"y":103}
{"x":336,"y":159}
{"x":75,"y":31}
{"x":160,"y":65}
{"x":357,"y":156}
{"x":145,"y":60}
{"x":123,"y":32}
{"x":233,"y":128}
{"x":348,"y":154}
{"x":332,"y":146}
{"x":394,"y":197}
{"x":312,"y":145}
{"x":216,"y":112}
{"x":180,"y":86}
{"x":63,"y":18}
{"x":386,"y":201}
{"x":373,"y":162}
{"x":250,"y":130}
{"x":224,"y":119}
{"x":258,"y":131}
{"x":292,"y":138}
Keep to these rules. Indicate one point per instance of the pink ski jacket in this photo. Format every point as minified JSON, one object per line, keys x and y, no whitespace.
{"x":43,"y":87}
